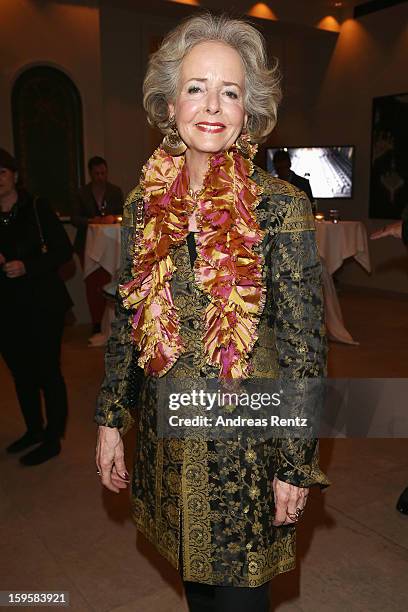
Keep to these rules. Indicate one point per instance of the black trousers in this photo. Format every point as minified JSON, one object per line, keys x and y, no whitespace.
{"x":208,"y":598}
{"x":30,"y":343}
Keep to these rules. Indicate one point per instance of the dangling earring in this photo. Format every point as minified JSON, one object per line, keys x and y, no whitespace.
{"x":172,"y":142}
{"x":244,"y":145}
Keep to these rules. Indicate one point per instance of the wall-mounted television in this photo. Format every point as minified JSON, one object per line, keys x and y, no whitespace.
{"x":328,"y":169}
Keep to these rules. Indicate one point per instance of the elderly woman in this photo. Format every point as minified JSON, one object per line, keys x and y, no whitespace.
{"x":220,"y":278}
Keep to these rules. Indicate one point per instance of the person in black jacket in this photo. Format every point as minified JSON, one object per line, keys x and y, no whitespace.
{"x":34,"y":300}
{"x":399,"y":229}
{"x":282,"y":164}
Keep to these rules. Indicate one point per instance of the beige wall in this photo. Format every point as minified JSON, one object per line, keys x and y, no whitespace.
{"x":60,"y":35}
{"x":65,"y":37}
{"x":369,"y":60}
{"x":329,"y":82}
{"x":127,"y":36}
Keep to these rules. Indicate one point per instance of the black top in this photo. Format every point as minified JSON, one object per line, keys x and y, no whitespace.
{"x":20,"y":239}
{"x":303,"y":184}
{"x":192,"y":249}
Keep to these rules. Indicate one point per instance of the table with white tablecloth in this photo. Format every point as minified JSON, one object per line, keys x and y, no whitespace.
{"x":102,"y":249}
{"x":337,"y":242}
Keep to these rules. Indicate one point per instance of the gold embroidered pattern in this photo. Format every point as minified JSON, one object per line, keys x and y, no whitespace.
{"x":222,"y":490}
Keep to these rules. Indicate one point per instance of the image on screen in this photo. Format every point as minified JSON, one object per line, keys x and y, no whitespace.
{"x":329,"y":170}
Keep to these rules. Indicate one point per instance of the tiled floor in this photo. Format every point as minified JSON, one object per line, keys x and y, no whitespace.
{"x":60,"y":531}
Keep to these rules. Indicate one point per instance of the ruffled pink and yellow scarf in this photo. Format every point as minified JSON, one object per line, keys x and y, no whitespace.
{"x":228,"y":267}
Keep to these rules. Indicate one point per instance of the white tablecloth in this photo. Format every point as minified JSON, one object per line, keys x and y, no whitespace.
{"x":102,"y":248}
{"x":336,"y":242}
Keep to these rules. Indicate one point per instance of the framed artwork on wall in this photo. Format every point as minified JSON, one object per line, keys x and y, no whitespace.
{"x":389,"y":157}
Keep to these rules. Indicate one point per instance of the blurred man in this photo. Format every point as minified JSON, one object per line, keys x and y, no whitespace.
{"x":399,"y":229}
{"x":282,"y":164}
{"x":98,"y":202}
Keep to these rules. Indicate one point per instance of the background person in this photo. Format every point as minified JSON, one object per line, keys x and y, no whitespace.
{"x":97,"y":202}
{"x":34,"y":300}
{"x":213,"y":295}
{"x":282,"y":164}
{"x":398,"y":229}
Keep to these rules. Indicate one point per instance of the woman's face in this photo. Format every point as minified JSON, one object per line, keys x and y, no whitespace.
{"x":7,"y":182}
{"x":209,"y":108}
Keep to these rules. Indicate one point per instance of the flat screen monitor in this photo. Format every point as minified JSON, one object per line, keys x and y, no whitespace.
{"x":328,"y":169}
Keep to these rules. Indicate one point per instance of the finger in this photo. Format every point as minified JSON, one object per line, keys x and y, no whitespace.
{"x":106,"y":480}
{"x":120,"y":467}
{"x":292,"y":506}
{"x":118,"y":481}
{"x":296,"y":505}
{"x":281,"y":505}
{"x":275,"y":496}
{"x":106,"y":466}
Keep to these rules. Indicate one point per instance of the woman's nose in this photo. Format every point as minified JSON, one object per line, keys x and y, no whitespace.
{"x":213,"y":102}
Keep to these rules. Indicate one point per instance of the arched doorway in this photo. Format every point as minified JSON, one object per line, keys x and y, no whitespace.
{"x":47,"y":128}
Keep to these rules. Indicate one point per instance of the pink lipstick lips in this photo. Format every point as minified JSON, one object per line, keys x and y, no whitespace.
{"x":210,"y":128}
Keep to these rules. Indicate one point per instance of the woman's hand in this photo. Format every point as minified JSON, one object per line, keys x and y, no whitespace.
{"x":289,"y":502}
{"x":393,"y":229}
{"x":14,"y":269}
{"x":110,"y":459}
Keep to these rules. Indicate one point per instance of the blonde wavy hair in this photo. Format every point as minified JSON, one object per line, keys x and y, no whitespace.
{"x":262,"y":82}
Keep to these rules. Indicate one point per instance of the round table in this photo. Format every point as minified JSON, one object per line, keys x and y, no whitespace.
{"x":337,"y":242}
{"x":102,"y":249}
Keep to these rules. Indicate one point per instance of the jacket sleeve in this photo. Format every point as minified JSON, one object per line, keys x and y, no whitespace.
{"x":123,"y":377}
{"x":299,"y":331}
{"x":59,"y":248}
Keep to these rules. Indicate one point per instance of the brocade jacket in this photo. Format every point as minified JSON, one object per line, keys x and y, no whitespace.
{"x":208,"y":505}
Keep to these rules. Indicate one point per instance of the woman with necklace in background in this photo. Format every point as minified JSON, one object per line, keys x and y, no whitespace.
{"x":34,"y":301}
